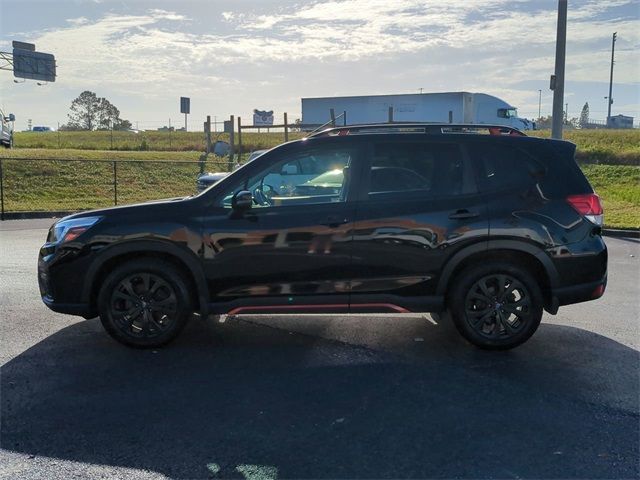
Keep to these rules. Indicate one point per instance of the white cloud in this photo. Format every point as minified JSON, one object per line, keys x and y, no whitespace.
{"x":343,"y":47}
{"x":78,"y":21}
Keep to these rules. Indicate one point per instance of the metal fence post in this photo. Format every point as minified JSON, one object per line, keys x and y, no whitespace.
{"x":286,"y":128}
{"x":1,"y":191}
{"x":115,"y":183}
{"x":231,"y":143}
{"x":239,"y":140}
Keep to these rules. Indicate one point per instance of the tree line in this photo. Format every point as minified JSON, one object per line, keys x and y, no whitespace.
{"x":90,"y":112}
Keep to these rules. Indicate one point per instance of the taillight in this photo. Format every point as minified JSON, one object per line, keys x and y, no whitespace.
{"x":588,"y":205}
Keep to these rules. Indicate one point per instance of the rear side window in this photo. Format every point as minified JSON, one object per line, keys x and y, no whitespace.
{"x":410,"y":169}
{"x":504,"y":166}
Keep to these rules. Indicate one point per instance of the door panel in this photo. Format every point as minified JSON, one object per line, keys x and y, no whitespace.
{"x":280,"y":251}
{"x":293,"y":248}
{"x":403,"y":236}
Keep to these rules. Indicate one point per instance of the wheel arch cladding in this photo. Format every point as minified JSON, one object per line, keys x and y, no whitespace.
{"x":186,"y":262}
{"x":517,"y":253}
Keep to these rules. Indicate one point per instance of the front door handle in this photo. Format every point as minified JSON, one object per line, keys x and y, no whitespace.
{"x":334,"y":222}
{"x":463,"y":214}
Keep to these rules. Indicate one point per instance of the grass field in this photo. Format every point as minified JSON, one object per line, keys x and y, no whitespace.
{"x":619,"y":147}
{"x":143,"y":141}
{"x":619,"y":188}
{"x":594,"y":146}
{"x":41,"y":180}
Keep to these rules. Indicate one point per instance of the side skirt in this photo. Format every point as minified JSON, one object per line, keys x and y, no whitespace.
{"x":359,"y":303}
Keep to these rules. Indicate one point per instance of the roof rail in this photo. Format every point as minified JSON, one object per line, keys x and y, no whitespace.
{"x":410,"y":127}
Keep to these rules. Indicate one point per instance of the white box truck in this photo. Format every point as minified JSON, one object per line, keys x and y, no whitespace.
{"x":454,"y":107}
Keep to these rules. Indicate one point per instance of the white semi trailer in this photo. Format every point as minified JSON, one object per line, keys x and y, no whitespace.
{"x":454,"y":107}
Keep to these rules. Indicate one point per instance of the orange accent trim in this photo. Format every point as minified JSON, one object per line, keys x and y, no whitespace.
{"x":390,"y":306}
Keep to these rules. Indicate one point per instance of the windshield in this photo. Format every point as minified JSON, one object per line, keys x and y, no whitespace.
{"x":507,"y":112}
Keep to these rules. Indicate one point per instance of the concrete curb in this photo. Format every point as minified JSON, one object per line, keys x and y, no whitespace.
{"x":34,"y":215}
{"x":609,"y":232}
{"x":615,"y":232}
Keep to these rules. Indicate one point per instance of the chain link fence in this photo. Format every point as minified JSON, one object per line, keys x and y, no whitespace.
{"x":67,"y":185}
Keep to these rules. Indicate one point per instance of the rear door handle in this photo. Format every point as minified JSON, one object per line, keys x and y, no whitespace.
{"x":333,"y":221}
{"x":463,"y":214}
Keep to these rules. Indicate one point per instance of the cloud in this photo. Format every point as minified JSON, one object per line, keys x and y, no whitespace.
{"x":347,"y":30}
{"x":344,"y":47}
{"x":78,"y":21}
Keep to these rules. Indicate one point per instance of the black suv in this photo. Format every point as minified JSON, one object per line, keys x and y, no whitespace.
{"x":403,"y":218}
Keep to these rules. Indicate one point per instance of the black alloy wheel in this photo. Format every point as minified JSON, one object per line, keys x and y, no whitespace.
{"x":495,"y":305}
{"x":498,"y":306}
{"x":144,"y":303}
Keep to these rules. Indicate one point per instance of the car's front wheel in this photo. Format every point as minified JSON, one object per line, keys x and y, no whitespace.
{"x":144,"y":303}
{"x":496,"y":305}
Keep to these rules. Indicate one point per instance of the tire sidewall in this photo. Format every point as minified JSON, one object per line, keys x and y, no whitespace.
{"x":163,"y":270}
{"x":463,"y":283}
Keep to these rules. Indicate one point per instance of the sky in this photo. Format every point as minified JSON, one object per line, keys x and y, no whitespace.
{"x":230,"y":57}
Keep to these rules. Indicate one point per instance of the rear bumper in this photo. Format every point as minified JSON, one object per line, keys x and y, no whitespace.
{"x":579,"y":293}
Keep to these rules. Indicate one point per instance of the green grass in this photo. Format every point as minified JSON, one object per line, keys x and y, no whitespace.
{"x":617,"y":147}
{"x":40,"y":180}
{"x":619,"y":188}
{"x":621,"y":147}
{"x":143,"y":141}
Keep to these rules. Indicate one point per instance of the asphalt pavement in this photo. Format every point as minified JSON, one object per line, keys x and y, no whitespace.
{"x":306,"y":396}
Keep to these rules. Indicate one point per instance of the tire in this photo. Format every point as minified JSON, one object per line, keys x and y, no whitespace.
{"x":490,"y":317}
{"x":144,"y":303}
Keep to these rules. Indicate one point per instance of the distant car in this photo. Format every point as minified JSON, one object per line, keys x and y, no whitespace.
{"x":255,"y":154}
{"x":41,"y":129}
{"x":6,"y":134}
{"x":207,"y":179}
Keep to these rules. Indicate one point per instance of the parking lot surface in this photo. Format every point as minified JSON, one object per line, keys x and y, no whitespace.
{"x":317,"y":396}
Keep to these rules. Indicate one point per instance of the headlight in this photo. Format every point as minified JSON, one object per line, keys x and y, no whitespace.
{"x":68,"y":230}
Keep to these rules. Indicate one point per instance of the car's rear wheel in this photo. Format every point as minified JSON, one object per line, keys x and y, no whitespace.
{"x":496,"y":305}
{"x":144,"y":303}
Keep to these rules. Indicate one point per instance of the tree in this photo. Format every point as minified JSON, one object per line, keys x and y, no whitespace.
{"x":584,"y":115}
{"x":90,"y":112}
{"x":108,"y":114}
{"x":84,"y":111}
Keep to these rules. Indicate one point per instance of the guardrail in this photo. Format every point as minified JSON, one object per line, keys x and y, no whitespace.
{"x":54,"y":184}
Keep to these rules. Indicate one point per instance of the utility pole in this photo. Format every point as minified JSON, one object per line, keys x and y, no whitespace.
{"x":566,"y":113}
{"x":539,"y":104}
{"x":557,"y":81}
{"x":613,"y":48}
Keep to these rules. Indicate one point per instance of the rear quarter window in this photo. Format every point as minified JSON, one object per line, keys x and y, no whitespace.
{"x":502,"y":166}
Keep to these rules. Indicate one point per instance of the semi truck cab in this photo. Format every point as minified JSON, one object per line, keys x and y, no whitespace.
{"x":6,"y":133}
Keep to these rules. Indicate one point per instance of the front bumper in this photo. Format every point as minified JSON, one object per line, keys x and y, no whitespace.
{"x":80,"y":309}
{"x":48,"y":293}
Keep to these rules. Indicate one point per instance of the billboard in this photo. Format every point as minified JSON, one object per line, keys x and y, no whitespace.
{"x":185,"y":104}
{"x":29,"y":64}
{"x":262,"y":118}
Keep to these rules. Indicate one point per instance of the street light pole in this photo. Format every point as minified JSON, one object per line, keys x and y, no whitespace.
{"x":558,"y":87}
{"x":539,"y":103}
{"x":613,"y":48}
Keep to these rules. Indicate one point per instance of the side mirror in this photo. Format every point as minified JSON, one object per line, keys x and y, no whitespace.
{"x":12,"y":117}
{"x":242,"y":200}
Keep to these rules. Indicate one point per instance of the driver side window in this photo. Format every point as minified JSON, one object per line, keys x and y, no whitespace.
{"x":310,"y":177}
